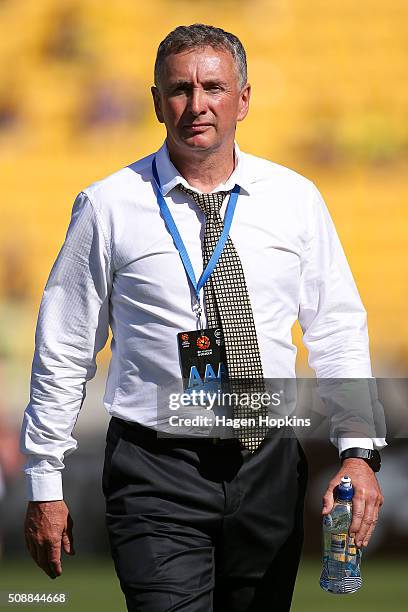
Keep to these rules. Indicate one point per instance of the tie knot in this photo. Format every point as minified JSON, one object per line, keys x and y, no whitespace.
{"x":210,"y":203}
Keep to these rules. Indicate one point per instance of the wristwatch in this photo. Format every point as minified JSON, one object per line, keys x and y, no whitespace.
{"x":371,"y":457}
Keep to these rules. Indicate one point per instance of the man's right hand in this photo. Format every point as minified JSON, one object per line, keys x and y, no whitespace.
{"x":47,"y":526}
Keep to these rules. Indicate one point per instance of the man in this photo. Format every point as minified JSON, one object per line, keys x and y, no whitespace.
{"x":197,"y":523}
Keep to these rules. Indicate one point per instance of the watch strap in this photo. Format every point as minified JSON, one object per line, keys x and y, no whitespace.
{"x":370,"y":456}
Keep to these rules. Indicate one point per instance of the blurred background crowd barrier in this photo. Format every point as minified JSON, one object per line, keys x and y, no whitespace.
{"x":330,"y":100}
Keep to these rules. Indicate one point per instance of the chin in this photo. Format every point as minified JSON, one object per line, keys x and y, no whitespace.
{"x":199,"y":141}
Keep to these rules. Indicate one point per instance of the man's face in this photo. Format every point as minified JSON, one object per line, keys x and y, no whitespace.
{"x":199,"y":99}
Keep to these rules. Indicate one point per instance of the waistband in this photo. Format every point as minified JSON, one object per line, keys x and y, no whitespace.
{"x":150,"y":435}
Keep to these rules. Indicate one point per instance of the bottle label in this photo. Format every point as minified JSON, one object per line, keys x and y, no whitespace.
{"x":338,"y":546}
{"x":343,"y":554}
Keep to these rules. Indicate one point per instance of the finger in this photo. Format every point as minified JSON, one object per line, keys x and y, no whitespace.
{"x":53,"y":551}
{"x":370,"y":511}
{"x":358,"y":513}
{"x":365,"y":525}
{"x":368,"y":535}
{"x":31,"y":547}
{"x":42,"y":560}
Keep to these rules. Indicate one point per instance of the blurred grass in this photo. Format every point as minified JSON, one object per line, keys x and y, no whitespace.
{"x":92,"y":585}
{"x":384,"y":588}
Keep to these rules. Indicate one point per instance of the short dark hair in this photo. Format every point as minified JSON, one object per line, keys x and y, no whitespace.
{"x":201,"y":35}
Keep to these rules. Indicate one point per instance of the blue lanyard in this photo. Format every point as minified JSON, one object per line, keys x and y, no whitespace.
{"x":179,"y":244}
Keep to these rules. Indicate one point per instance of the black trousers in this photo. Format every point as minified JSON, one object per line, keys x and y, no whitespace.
{"x":201,"y":527}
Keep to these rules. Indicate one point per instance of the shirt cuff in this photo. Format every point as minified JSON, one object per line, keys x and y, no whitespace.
{"x":371,"y":443}
{"x":44,"y":487}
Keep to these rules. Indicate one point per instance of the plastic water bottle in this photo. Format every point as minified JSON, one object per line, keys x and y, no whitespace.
{"x":341,"y":557}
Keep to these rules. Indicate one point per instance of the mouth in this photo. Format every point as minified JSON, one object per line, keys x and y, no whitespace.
{"x":197,"y":127}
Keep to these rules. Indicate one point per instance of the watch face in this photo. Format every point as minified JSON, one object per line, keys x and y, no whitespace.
{"x":375,"y":460}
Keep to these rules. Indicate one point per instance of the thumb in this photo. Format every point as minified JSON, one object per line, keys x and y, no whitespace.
{"x":66,"y":544}
{"x":68,"y":540}
{"x":328,"y":501}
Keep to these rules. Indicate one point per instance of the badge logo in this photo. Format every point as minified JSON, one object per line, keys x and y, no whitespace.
{"x":184,"y":337}
{"x":203,"y":342}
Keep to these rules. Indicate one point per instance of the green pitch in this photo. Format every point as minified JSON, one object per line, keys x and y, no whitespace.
{"x":92,"y":585}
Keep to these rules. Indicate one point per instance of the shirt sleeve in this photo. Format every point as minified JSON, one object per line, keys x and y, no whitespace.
{"x":334,"y":324}
{"x":72,"y":327}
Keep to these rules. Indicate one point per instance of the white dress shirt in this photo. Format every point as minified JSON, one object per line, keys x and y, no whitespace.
{"x":118,"y":266}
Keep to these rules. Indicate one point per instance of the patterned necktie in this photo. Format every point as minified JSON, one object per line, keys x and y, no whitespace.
{"x":228,"y":306}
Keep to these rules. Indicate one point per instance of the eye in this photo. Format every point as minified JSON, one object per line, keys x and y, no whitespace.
{"x":181,"y":88}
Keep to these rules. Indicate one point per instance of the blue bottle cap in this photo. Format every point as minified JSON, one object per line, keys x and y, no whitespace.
{"x":345,"y":489}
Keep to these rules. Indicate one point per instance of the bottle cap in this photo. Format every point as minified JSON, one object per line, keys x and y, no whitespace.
{"x":345,"y":489}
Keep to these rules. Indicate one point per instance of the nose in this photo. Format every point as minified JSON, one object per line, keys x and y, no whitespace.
{"x":197,"y":101}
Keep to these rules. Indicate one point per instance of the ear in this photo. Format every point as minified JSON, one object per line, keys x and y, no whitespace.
{"x":157,"y":104}
{"x":243,"y":104}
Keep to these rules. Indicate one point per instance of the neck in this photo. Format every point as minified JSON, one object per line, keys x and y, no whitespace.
{"x":204,"y":170}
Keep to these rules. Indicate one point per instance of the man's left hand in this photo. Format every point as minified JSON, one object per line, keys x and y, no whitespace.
{"x":367,"y":499}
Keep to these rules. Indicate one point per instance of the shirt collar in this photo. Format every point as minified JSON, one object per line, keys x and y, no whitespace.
{"x":170,"y":176}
